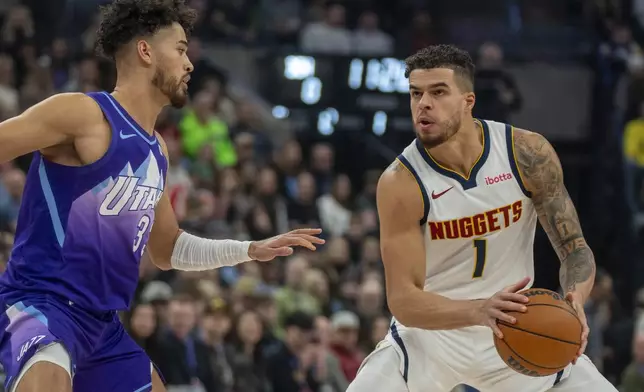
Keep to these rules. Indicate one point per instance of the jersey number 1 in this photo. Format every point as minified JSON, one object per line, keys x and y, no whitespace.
{"x":480,"y":254}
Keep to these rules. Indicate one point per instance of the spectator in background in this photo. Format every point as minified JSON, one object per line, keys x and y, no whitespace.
{"x":270,"y":201}
{"x":8,"y":93}
{"x":303,"y":211}
{"x":178,"y":182}
{"x":633,"y":378}
{"x":354,"y":236}
{"x":419,"y":34}
{"x":18,"y":28}
{"x":496,"y":90}
{"x":232,"y":21}
{"x":316,"y":283}
{"x":344,"y":342}
{"x":370,"y":301}
{"x":290,"y":362}
{"x":369,"y":39}
{"x":245,"y":147}
{"x":634,"y":154}
{"x":291,"y":297}
{"x":379,"y":330}
{"x":200,"y":128}
{"x":203,"y":68}
{"x":329,"y":36}
{"x":334,"y":207}
{"x":183,"y":359}
{"x":249,"y":121}
{"x":333,"y":379}
{"x":12,"y":184}
{"x":371,"y":260}
{"x":367,"y":198}
{"x":282,"y":20}
{"x":143,"y":329}
{"x":322,"y":165}
{"x":215,"y":325}
{"x":59,"y":63}
{"x":598,"y":314}
{"x":85,"y":76}
{"x":156,"y":292}
{"x":288,"y":162}
{"x":336,"y":262}
{"x":246,"y":356}
{"x":614,"y":57}
{"x":223,"y":106}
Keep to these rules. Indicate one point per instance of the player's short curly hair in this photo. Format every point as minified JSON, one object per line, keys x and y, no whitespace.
{"x":443,"y":56}
{"x":124,"y":20}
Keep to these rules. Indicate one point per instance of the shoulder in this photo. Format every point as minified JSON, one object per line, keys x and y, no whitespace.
{"x":397,"y":188}
{"x":396,"y":172}
{"x":396,"y":175}
{"x":74,"y":111}
{"x":73,"y":104}
{"x":524,"y":137}
{"x":532,"y":149}
{"x":537,"y":161}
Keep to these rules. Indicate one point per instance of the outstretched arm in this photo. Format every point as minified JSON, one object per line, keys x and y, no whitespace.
{"x":541,"y":171}
{"x":542,"y":174}
{"x":170,"y":247}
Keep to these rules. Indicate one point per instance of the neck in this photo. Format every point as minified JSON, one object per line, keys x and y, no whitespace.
{"x":462,"y":150}
{"x":142,"y":102}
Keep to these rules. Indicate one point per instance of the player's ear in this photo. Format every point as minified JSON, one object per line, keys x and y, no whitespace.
{"x":470,"y":100}
{"x":144,"y":51}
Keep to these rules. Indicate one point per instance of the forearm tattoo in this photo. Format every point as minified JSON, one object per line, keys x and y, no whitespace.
{"x":543,"y":176}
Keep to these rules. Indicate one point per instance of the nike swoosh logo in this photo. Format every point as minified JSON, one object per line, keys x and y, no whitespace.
{"x":126,"y":136}
{"x":437,"y":195}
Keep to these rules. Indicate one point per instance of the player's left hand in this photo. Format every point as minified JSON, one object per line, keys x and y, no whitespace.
{"x":282,"y":245}
{"x":577,"y":303}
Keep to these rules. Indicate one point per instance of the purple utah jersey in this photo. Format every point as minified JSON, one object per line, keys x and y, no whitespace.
{"x":82,"y":230}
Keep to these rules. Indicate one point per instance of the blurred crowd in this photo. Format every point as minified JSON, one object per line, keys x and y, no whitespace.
{"x":304,"y":323}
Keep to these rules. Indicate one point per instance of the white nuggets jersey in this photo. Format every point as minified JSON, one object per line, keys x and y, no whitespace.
{"x":479,"y":229}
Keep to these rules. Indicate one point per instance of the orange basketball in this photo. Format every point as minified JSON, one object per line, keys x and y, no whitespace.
{"x":545,"y":339}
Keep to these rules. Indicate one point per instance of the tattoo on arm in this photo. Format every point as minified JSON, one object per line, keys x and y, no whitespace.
{"x":543,"y":176}
{"x":395,"y":166}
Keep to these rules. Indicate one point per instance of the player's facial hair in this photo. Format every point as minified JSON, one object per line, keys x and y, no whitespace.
{"x":170,"y":87}
{"x":450,"y":127}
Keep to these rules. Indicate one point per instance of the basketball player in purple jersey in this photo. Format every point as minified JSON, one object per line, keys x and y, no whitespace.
{"x":93,"y":203}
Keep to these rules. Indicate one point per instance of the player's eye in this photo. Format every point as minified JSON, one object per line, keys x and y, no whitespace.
{"x":182,"y":51}
{"x":416,"y":94}
{"x":439,"y":92}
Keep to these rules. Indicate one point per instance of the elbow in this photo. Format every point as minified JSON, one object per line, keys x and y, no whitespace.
{"x":401,"y":307}
{"x":162,"y":263}
{"x":165,"y":265}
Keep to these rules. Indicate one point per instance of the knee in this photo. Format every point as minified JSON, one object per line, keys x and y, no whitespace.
{"x":44,"y":376}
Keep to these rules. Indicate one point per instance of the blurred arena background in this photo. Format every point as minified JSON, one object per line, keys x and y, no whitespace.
{"x":296,"y":107}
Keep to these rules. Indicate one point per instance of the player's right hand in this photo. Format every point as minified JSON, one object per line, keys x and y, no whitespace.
{"x":506,"y":300}
{"x":282,"y":245}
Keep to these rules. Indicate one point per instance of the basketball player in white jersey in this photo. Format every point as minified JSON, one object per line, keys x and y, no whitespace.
{"x":458,"y":211}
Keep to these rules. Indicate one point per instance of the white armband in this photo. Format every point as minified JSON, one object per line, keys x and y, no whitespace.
{"x":192,"y":253}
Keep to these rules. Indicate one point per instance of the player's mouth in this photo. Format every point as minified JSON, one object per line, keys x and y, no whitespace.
{"x":425,"y":124}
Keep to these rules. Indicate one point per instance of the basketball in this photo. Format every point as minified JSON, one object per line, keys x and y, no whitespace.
{"x":545,"y":339}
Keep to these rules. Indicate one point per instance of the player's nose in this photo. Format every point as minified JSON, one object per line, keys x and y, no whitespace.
{"x":189,"y":67}
{"x":426,"y":101}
